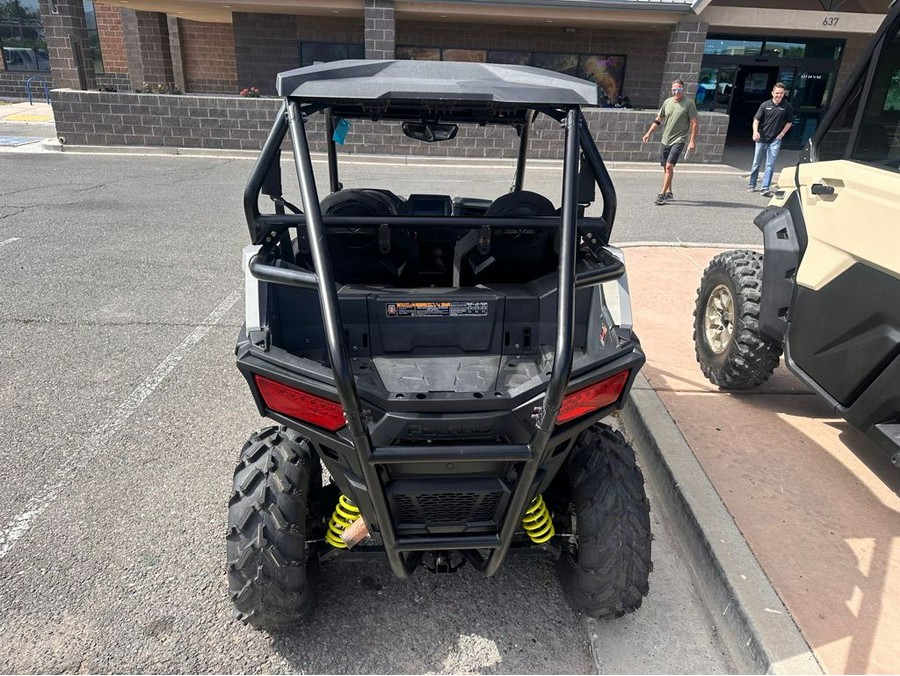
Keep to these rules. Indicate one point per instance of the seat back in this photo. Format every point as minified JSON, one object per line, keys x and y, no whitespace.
{"x":519,"y":252}
{"x":356,"y":255}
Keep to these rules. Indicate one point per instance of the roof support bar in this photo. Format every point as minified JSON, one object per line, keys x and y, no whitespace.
{"x":337,"y":350}
{"x":523,"y":151}
{"x":258,"y":173}
{"x":562,"y":359}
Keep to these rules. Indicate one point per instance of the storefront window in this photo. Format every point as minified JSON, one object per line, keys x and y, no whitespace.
{"x":824,"y":49}
{"x":725,"y":46}
{"x":561,"y":63}
{"x":512,"y":58}
{"x":774,"y":48}
{"x":785,"y":50}
{"x":93,"y":36}
{"x":322,"y":52}
{"x":471,"y":55}
{"x":714,"y":88}
{"x":606,"y":70}
{"x":22,"y":36}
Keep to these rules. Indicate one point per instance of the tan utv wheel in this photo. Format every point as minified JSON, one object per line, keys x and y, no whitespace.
{"x":731,"y":351}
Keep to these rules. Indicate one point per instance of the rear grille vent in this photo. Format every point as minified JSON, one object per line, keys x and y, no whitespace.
{"x":446,"y":508}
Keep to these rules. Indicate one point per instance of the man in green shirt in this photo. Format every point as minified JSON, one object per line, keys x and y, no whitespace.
{"x":680,"y":115}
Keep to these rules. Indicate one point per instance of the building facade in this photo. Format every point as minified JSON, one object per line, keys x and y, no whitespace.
{"x":729,"y":52}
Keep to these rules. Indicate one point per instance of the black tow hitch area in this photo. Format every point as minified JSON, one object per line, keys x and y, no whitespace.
{"x":443,"y":562}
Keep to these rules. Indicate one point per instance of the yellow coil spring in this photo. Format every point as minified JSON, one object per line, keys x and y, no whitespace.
{"x":537,"y":521}
{"x":345,"y":513}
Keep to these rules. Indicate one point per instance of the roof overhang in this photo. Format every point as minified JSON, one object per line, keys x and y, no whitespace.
{"x":563,"y":13}
{"x":790,"y":21}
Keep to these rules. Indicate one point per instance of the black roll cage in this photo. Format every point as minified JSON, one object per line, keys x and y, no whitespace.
{"x":267,"y":231}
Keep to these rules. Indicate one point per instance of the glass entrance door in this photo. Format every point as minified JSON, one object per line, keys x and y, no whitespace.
{"x":753,"y":85}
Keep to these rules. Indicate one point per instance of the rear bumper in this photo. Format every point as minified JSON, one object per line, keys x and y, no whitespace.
{"x":447,"y":462}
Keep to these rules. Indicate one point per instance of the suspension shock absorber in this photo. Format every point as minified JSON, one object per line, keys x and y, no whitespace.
{"x":537,"y":521}
{"x":345,"y":513}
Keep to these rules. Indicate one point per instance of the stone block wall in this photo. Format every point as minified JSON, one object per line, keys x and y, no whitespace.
{"x":67,"y":44}
{"x":123,"y":119}
{"x":683,"y":55}
{"x":264,"y":45}
{"x":118,"y":82}
{"x":854,"y":49}
{"x":12,"y":83}
{"x":207,"y":51}
{"x":380,"y":29}
{"x":147,"y":47}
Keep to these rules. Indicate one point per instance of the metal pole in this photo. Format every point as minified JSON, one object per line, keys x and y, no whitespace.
{"x":523,"y":151}
{"x":604,"y":182}
{"x":331,"y":315}
{"x":258,"y":173}
{"x":562,"y":360}
{"x":332,"y":152}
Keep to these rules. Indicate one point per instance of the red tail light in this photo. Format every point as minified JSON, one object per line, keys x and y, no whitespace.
{"x":592,"y":397}
{"x":301,"y":405}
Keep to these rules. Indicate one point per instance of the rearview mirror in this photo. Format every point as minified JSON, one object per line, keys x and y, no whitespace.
{"x":430,"y":132}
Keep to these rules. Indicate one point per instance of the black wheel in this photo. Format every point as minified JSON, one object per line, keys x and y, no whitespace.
{"x":269,"y":565}
{"x":605,"y":573}
{"x":731,"y":351}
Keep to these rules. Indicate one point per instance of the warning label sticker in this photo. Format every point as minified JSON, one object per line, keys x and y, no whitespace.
{"x":438,"y":309}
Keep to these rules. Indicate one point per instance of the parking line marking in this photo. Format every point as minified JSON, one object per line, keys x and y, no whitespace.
{"x":21,"y":523}
{"x":9,"y":241}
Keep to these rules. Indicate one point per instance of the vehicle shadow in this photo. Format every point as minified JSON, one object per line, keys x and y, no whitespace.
{"x":369,"y":621}
{"x":761,"y":204}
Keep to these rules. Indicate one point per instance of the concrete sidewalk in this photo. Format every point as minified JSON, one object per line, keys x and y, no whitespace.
{"x":22,"y":111}
{"x":816,"y":502}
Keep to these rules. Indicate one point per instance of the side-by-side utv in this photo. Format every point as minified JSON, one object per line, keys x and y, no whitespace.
{"x":826,"y":291}
{"x":438,"y":365}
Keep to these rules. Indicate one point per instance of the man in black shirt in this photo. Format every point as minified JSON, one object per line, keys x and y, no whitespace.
{"x":771,"y":122}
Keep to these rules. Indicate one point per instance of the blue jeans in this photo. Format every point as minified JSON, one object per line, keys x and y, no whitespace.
{"x":770,"y":151}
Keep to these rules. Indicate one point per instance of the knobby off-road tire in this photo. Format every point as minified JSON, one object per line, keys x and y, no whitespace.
{"x":738,"y":357}
{"x":608,"y":574}
{"x":269,"y":569}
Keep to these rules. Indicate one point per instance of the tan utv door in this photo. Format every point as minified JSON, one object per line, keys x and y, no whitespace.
{"x":844,"y":325}
{"x":844,"y":320}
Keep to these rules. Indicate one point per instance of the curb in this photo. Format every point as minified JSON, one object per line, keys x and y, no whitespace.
{"x":406,"y":160}
{"x":750,"y":617}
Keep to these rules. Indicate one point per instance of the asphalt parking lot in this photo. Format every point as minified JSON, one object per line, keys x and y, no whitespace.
{"x":122,"y":415}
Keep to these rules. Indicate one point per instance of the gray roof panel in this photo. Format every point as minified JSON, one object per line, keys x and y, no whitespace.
{"x":353,"y":81}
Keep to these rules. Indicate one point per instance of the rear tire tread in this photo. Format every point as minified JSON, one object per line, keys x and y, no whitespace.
{"x":267,"y":557}
{"x":610,"y":574}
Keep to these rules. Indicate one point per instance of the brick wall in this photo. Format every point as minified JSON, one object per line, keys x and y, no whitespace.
{"x":102,"y":118}
{"x":264,"y":45}
{"x":67,"y":44}
{"x":645,"y":51}
{"x":380,"y":29}
{"x":854,"y":49}
{"x":112,"y":39}
{"x":114,"y":82}
{"x":207,"y":52}
{"x":147,"y":47}
{"x":683,"y":56}
{"x":12,"y":83}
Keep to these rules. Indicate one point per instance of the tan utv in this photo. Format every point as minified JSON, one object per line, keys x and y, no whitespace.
{"x":827,"y":289}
